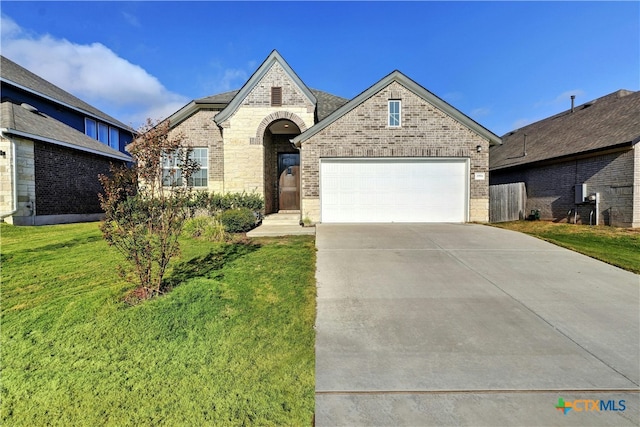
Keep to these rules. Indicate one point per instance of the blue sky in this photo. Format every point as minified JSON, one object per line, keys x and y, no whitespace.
{"x":505,"y":64}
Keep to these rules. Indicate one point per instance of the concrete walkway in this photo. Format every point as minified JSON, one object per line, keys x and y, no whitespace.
{"x":285,"y":223}
{"x":461,"y":324}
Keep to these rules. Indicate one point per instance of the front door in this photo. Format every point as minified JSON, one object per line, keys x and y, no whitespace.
{"x":289,"y":181}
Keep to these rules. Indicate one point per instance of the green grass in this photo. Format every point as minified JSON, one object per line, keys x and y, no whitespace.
{"x":616,"y":246}
{"x":231,"y":344}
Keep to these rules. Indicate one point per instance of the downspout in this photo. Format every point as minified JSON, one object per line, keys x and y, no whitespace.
{"x":14,"y":171}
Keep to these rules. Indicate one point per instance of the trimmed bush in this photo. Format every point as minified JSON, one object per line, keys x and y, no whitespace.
{"x":206,"y":228}
{"x":238,"y":220}
{"x":217,"y":202}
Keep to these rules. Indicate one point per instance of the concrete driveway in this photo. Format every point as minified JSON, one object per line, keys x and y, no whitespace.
{"x":462,"y":324}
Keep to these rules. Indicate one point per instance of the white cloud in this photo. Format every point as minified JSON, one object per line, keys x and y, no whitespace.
{"x":93,"y":73}
{"x":131,"y":19}
{"x":562,"y":100}
{"x":480,"y":112}
{"x":520,"y":123}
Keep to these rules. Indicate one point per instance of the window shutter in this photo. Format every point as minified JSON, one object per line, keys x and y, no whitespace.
{"x":276,"y":96}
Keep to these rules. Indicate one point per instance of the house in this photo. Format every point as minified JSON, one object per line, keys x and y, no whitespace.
{"x":394,"y":153}
{"x":53,"y":146}
{"x":587,"y":150}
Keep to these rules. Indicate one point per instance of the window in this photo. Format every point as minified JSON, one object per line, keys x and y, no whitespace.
{"x":171,"y":173}
{"x":103,"y":133}
{"x":114,"y":138}
{"x":90,"y":128}
{"x":394,"y":113}
{"x":276,"y":96}
{"x":201,"y":156}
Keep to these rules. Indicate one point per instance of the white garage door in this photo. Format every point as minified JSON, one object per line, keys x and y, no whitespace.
{"x":394,"y":190}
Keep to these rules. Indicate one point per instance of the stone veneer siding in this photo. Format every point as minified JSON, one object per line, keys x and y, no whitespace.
{"x":199,"y":130}
{"x":551,"y":187}
{"x":426,"y":131}
{"x":25,"y":169}
{"x":243,"y":154}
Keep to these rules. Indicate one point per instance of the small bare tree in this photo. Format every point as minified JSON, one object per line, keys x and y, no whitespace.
{"x":146,"y":205}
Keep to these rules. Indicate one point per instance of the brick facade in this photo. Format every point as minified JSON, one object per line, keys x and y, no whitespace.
{"x":199,"y":130}
{"x":551,"y":187}
{"x":426,"y":131}
{"x":66,"y":180}
{"x":243,"y":152}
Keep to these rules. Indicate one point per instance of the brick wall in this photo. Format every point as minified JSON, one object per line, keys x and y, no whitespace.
{"x":260,"y":95}
{"x":200,"y":130}
{"x":66,"y":180}
{"x":426,"y":131}
{"x":551,"y":188}
{"x":244,"y":144}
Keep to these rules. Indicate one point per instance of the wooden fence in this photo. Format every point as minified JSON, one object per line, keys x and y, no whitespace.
{"x":507,"y":202}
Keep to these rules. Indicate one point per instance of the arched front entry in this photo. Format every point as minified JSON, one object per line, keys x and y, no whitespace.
{"x":281,"y":163}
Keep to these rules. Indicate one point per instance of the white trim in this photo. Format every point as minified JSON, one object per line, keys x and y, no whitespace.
{"x":118,"y":156}
{"x":389,"y":125}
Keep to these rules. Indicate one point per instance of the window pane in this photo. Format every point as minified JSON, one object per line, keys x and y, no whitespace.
{"x":201,"y":156}
{"x":103,"y":133}
{"x":114,"y":138}
{"x":90,"y":128}
{"x":394,"y":113}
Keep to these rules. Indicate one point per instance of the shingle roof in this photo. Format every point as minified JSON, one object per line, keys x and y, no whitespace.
{"x":603,"y":123}
{"x":13,"y":73}
{"x":326,"y":104}
{"x":221,"y":98}
{"x":19,"y":121}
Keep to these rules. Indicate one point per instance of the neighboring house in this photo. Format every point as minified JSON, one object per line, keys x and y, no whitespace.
{"x":53,"y":146}
{"x":594,"y":144}
{"x":394,"y":153}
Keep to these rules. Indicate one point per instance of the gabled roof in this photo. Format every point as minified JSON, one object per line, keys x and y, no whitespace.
{"x":397,"y":76}
{"x":21,"y":78}
{"x":326,"y":104}
{"x":19,"y":121}
{"x":605,"y":123}
{"x":274,"y":57}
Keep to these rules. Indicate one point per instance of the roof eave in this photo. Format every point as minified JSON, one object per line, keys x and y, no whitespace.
{"x":412,"y":86}
{"x":563,"y":158}
{"x":115,"y":155}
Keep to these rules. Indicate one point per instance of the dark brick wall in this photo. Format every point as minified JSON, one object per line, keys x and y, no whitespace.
{"x":67,"y":180}
{"x":551,"y":188}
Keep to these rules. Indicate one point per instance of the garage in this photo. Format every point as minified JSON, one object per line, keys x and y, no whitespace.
{"x":394,"y":189}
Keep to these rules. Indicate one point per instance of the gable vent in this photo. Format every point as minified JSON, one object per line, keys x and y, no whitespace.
{"x":276,"y":96}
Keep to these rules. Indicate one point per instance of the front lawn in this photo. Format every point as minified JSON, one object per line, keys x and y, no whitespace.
{"x":616,"y":246}
{"x":231,"y":344}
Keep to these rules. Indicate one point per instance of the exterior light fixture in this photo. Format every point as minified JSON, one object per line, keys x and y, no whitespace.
{"x":479,"y":148}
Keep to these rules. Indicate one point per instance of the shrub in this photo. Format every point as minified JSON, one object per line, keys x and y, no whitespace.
{"x":206,"y":228}
{"x":223,"y":202}
{"x":238,"y":220}
{"x":144,"y":209}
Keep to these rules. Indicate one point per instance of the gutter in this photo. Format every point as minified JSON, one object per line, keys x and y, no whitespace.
{"x":34,"y":137}
{"x":14,"y":170}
